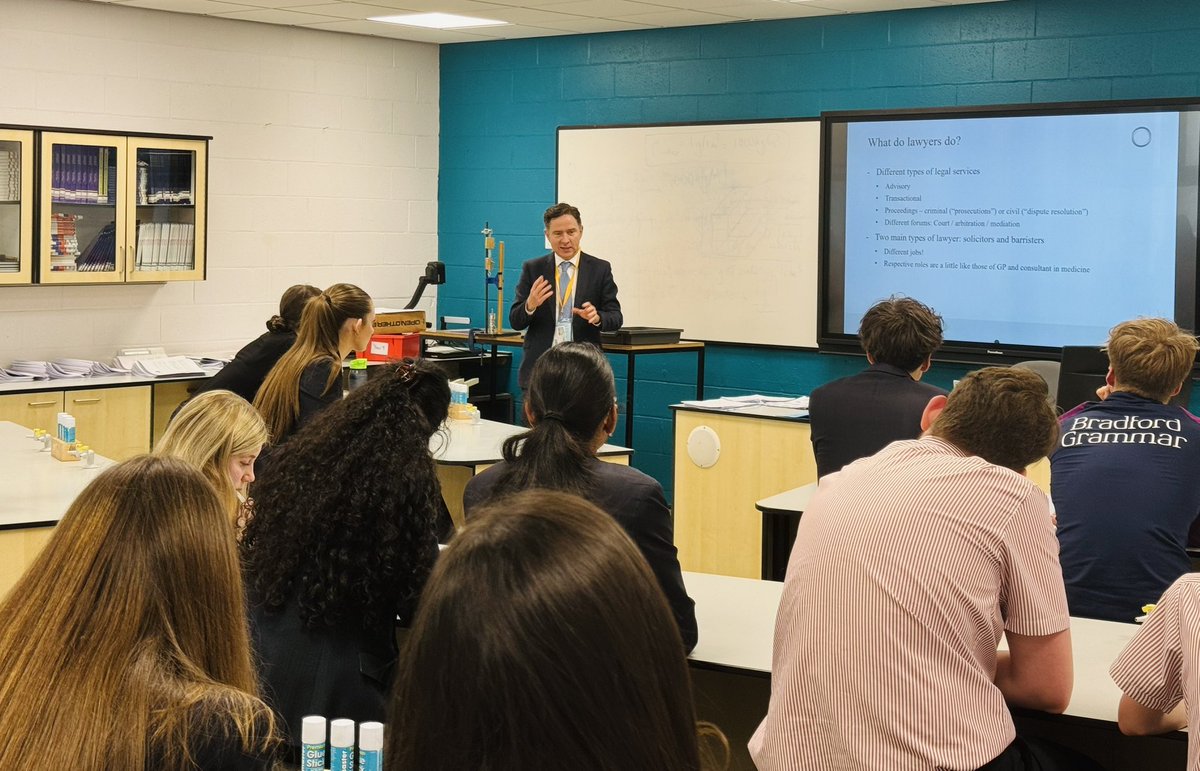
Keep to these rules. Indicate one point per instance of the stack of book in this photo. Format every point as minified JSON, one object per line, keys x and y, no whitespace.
{"x":165,"y":246}
{"x":64,"y":241}
{"x":81,"y":174}
{"x":10,"y":175}
{"x":101,"y":253}
{"x":165,"y":177}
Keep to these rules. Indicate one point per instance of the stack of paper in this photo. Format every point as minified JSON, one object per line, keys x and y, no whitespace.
{"x":757,"y":404}
{"x":87,"y":367}
{"x":165,"y":366}
{"x":12,"y":376}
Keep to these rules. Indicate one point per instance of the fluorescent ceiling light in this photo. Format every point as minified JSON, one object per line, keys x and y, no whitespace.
{"x":437,"y":21}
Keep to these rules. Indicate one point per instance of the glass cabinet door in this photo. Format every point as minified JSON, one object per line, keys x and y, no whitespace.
{"x":16,"y":206}
{"x":82,"y":220}
{"x":166,"y":225}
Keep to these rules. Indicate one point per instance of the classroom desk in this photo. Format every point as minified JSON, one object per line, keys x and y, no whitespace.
{"x":463,"y":448}
{"x":736,"y":619}
{"x":630,"y":352}
{"x":781,"y":516}
{"x":37,"y":491}
{"x":717,"y":528}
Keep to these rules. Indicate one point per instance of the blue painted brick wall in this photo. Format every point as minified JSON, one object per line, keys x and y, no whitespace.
{"x":502,"y":102}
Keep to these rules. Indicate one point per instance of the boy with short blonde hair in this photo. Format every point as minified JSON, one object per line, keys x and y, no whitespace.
{"x":1123,"y":476}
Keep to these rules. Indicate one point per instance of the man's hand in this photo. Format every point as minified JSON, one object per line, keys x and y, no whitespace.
{"x":588,"y":313}
{"x":538,"y":294}
{"x":1103,"y":392}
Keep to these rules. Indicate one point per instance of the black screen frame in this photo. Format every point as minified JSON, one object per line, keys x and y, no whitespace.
{"x":831,"y":244}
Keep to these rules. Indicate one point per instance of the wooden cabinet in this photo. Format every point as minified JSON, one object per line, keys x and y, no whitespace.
{"x":117,"y":208}
{"x":112,"y":421}
{"x":32,"y":409}
{"x":717,"y":527}
{"x":16,"y":206}
{"x":167,"y":398}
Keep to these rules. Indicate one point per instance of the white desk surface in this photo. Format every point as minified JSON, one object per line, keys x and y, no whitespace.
{"x":465,"y":443}
{"x":37,"y":489}
{"x":794,"y":500}
{"x":106,"y":381}
{"x":736,"y":617}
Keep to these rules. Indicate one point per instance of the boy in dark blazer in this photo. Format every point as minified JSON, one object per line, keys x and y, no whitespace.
{"x":555,"y":306}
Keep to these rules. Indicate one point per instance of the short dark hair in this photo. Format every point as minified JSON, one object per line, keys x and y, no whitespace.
{"x":542,"y":641}
{"x":1001,"y":414}
{"x":559,"y":210}
{"x":900,"y":331}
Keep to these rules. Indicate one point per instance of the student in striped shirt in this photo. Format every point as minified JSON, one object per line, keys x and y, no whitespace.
{"x":1157,"y":671}
{"x":908,"y":567}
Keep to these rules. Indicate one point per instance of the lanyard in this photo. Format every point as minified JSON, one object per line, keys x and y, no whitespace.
{"x":564,"y":297}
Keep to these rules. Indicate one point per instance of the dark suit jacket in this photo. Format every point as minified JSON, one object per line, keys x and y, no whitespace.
{"x":593,"y":284}
{"x":859,"y":415}
{"x":636,"y":501}
{"x":250,"y":366}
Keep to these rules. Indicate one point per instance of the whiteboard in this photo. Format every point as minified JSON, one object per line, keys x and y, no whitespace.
{"x":711,"y":228}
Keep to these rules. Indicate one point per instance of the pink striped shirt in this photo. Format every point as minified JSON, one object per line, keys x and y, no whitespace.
{"x":1161,"y":664}
{"x":907,"y":567}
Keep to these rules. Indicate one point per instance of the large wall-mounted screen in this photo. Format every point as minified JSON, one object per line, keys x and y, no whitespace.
{"x":1026,"y":230}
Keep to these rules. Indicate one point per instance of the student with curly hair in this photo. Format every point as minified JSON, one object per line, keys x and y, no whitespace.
{"x":250,"y":366}
{"x":125,"y":644}
{"x":543,"y":643}
{"x":570,"y":405}
{"x":341,"y":543}
{"x":307,"y":379}
{"x":220,"y":434}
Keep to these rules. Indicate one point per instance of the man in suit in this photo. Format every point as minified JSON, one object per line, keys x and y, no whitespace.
{"x":559,"y":304}
{"x":859,"y":415}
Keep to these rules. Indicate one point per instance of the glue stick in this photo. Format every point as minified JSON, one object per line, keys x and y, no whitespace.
{"x":370,"y":747}
{"x":312,"y":737}
{"x":341,"y":745}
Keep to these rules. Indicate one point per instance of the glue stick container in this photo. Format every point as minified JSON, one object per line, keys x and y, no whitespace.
{"x":61,"y":425}
{"x":68,"y":428}
{"x":370,"y":747}
{"x":341,"y":745}
{"x":312,"y":739}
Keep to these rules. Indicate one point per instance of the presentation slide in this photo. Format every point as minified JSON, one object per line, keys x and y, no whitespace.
{"x":1034,"y":230}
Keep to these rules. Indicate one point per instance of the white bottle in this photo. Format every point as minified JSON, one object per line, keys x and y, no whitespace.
{"x":370,"y":747}
{"x":341,"y":745}
{"x":312,"y":740}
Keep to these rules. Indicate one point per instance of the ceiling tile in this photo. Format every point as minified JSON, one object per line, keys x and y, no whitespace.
{"x":527,"y":18}
{"x":278,"y":16}
{"x":603,"y":9}
{"x":188,"y":6}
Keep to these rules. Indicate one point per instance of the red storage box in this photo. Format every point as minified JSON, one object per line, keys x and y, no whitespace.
{"x":392,"y":347}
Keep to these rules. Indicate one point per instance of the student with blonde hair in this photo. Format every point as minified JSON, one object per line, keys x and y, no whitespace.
{"x":1123,"y":476}
{"x":308,"y":377}
{"x":543,"y":642}
{"x":220,"y":434}
{"x":125,"y":645}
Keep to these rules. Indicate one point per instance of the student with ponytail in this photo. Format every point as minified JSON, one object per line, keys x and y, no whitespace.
{"x":245,"y":374}
{"x":570,"y":405}
{"x":308,"y":377}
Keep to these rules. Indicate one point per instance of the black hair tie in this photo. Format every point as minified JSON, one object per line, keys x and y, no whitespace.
{"x":554,"y":416}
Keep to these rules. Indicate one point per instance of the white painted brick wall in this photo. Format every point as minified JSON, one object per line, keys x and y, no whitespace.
{"x":322,"y":166}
